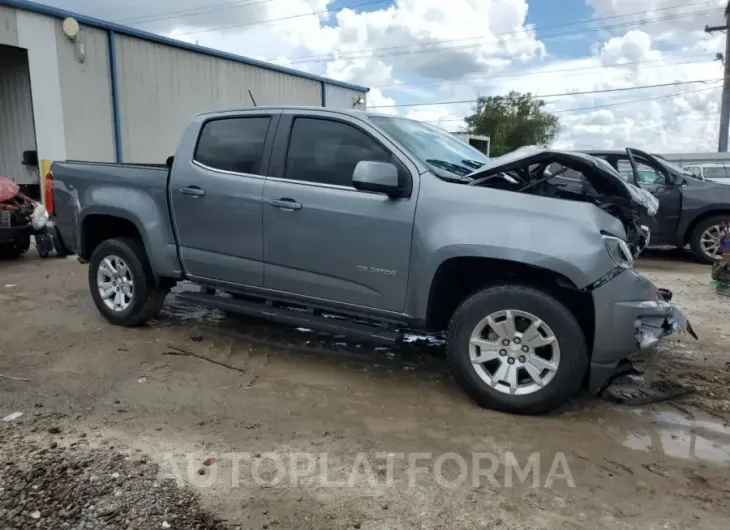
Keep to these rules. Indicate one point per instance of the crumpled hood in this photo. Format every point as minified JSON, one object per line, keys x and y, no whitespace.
{"x":601,"y":170}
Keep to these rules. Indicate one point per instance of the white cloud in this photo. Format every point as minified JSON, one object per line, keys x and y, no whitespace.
{"x":634,"y":46}
{"x":384,"y":105}
{"x":477,"y":47}
{"x":666,"y":19}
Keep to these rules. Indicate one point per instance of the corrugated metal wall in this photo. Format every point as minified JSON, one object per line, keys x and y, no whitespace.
{"x":17,"y":132}
{"x":161,"y":87}
{"x":342,"y":98}
{"x":86,"y":95}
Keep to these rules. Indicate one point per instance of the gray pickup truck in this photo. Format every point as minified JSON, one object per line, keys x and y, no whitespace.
{"x":369,"y":225}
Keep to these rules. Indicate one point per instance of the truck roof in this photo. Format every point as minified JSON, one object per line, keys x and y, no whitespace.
{"x":359,"y":113}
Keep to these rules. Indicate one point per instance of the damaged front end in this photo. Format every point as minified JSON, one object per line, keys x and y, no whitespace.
{"x":575,"y":177}
{"x":651,"y":328}
{"x":627,"y":384}
{"x":20,"y":218}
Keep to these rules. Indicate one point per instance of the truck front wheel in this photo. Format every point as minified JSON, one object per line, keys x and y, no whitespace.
{"x":517,"y":349}
{"x":122,"y":284}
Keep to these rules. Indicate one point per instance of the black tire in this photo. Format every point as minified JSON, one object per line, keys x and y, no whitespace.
{"x":15,"y":249}
{"x":147,"y":299}
{"x":573,"y":365}
{"x":695,"y":238}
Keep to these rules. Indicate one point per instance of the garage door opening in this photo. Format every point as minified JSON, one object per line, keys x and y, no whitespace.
{"x":18,"y":154}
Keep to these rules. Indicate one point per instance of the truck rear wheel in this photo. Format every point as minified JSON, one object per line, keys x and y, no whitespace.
{"x":517,"y":349}
{"x":122,"y":284}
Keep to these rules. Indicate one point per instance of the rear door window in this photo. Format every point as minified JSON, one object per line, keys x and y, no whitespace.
{"x":233,"y":144}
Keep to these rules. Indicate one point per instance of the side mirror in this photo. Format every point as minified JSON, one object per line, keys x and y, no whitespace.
{"x":377,"y":177}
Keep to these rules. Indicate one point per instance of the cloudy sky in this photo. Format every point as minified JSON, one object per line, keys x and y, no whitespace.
{"x":430,"y":59}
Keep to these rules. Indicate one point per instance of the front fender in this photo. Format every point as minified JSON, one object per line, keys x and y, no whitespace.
{"x":557,"y":235}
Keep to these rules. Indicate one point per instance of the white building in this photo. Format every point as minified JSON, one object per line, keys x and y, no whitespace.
{"x":74,"y":87}
{"x":478,"y":141}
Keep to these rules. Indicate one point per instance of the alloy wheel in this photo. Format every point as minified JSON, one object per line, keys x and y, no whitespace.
{"x":115,"y":283}
{"x":711,"y":240}
{"x":514,"y":352}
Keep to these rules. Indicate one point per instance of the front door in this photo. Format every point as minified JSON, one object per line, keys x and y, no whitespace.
{"x":323,"y":238}
{"x":658,"y":182}
{"x":216,"y":200}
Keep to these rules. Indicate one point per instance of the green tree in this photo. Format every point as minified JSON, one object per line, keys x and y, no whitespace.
{"x":513,"y":121}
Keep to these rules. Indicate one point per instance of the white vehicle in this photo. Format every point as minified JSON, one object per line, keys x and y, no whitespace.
{"x":714,"y":172}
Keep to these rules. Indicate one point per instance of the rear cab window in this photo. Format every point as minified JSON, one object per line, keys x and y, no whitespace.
{"x":233,"y":144}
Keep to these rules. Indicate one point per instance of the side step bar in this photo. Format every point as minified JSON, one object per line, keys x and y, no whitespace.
{"x":293,"y":318}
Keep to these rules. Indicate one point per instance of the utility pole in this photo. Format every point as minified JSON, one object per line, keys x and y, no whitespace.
{"x":725,"y":109}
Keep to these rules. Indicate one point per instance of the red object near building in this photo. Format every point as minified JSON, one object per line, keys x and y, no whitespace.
{"x":8,"y":189}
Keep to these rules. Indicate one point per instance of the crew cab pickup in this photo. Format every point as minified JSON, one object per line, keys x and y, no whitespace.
{"x":300,"y":215}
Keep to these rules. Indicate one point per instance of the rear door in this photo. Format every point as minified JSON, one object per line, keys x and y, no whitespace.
{"x":323,"y":238}
{"x":215,"y":192}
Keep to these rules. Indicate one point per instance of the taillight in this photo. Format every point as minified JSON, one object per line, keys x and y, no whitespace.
{"x":48,"y":193}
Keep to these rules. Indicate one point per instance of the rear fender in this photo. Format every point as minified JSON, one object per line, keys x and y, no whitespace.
{"x":144,"y":213}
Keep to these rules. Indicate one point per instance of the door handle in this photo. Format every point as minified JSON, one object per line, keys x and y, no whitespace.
{"x":286,"y":204}
{"x":193,"y":190}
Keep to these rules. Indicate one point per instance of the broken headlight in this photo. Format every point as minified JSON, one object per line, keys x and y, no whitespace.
{"x":619,"y":251}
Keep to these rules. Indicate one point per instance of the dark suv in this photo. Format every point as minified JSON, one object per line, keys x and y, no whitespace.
{"x":691,"y":211}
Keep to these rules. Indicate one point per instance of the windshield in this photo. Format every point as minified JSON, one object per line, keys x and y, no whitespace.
{"x":672,"y":168}
{"x":446,"y":155}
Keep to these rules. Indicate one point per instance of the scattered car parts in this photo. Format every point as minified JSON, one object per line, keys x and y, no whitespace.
{"x":20,"y":218}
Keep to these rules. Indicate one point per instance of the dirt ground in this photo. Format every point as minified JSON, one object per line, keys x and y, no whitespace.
{"x":280,"y":428}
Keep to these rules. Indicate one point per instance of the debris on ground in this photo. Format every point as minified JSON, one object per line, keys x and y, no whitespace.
{"x":633,"y":390}
{"x":47,"y":485}
{"x":3,"y":376}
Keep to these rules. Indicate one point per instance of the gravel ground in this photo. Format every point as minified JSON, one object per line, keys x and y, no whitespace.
{"x":58,"y":479}
{"x":264,"y":392}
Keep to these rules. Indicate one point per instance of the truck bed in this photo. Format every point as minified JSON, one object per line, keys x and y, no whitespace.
{"x":88,"y":193}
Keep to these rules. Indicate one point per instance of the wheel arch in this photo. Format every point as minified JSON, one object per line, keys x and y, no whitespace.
{"x":700,"y":217}
{"x":457,"y":278}
{"x":97,"y":226}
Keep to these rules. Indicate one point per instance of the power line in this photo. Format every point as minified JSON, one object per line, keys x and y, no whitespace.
{"x":324,"y":11}
{"x":472,"y":46}
{"x":202,"y":10}
{"x":543,"y":96}
{"x":487,"y":77}
{"x":346,"y":55}
{"x":607,"y":105}
{"x":143,"y":19}
{"x":328,"y":57}
{"x":617,"y":104}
